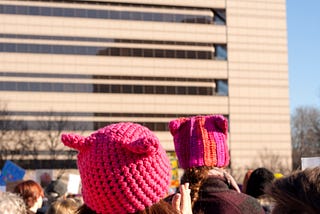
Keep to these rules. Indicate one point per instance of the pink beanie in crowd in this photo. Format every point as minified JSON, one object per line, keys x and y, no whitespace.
{"x":201,"y":141}
{"x":123,"y":168}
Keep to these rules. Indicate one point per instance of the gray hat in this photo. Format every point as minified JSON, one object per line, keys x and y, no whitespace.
{"x":56,"y":188}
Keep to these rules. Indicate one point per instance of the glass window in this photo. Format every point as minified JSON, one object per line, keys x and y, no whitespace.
{"x":67,"y":49}
{"x":58,"y":87}
{"x":68,"y":12}
{"x":114,"y":51}
{"x":46,"y":86}
{"x":45,"y":48}
{"x":10,"y":47}
{"x":149,"y":89}
{"x":125,"y":15}
{"x":34,"y":86}
{"x":93,"y":50}
{"x":221,"y":52}
{"x":159,"y":53}
{"x":137,"y":89}
{"x":222,"y":87}
{"x":22,"y":10}
{"x":22,"y":48}
{"x":137,"y":52}
{"x":127,"y":89}
{"x":10,"y":9}
{"x":10,"y":86}
{"x":114,"y":15}
{"x":219,"y":17}
{"x":203,"y":55}
{"x":125,"y":51}
{"x":191,"y":55}
{"x":180,"y":54}
{"x":179,"y":18}
{"x":157,"y":17}
{"x":45,"y":11}
{"x":115,"y":89}
{"x":192,"y":90}
{"x":171,"y":89}
{"x":147,"y":16}
{"x":22,"y":86}
{"x":169,"y":53}
{"x":147,"y":52}
{"x":57,"y":11}
{"x":135,"y":15}
{"x":92,"y":13}
{"x":159,"y":89}
{"x":34,"y":10}
{"x":57,"y":49}
{"x":168,"y":17}
{"x":204,"y":91}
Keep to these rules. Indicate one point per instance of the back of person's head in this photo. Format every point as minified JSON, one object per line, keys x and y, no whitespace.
{"x":200,"y":144}
{"x":200,"y":141}
{"x":258,"y":180}
{"x":11,"y":203}
{"x":30,"y":191}
{"x":297,"y":193}
{"x":56,"y":189}
{"x":123,"y":168}
{"x":63,"y":206}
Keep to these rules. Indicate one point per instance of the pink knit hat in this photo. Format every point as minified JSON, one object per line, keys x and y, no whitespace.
{"x":201,"y":141}
{"x":123,"y":168}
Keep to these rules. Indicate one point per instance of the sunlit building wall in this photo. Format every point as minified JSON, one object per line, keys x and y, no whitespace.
{"x":99,"y":62}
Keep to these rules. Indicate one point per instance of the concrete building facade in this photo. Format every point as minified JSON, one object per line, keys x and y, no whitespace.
{"x":150,"y":61}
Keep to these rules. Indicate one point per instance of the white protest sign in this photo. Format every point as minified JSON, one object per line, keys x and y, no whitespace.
{"x":74,"y":183}
{"x":310,"y":162}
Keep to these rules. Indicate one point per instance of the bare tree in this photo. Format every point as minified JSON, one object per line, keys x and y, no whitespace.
{"x":5,"y":132}
{"x":52,"y":126}
{"x":305,"y":134}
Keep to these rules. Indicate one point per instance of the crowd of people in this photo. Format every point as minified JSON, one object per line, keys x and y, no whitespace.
{"x":124,"y":169}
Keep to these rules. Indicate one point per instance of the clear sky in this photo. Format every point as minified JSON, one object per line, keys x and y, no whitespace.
{"x":303,"y":24}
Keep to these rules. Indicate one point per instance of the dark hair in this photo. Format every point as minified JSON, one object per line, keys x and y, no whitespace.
{"x":162,"y":207}
{"x":297,"y":193}
{"x":30,"y":191}
{"x":258,"y":180}
{"x":195,"y":176}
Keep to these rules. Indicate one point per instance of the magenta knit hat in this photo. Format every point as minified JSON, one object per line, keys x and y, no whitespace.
{"x":123,"y":168}
{"x":201,"y":141}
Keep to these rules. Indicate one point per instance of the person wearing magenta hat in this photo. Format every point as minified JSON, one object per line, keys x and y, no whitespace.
{"x":201,"y":146}
{"x":124,"y":169}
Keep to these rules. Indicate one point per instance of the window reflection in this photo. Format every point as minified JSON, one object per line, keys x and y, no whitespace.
{"x":218,"y":16}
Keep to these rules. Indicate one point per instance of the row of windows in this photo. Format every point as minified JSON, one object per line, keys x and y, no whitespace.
{"x":92,"y":114}
{"x":220,"y":52}
{"x":97,"y":39}
{"x":104,"y":77}
{"x":73,"y":125}
{"x":218,"y":16}
{"x":220,"y":89}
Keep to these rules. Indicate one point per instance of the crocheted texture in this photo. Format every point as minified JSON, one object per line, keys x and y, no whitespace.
{"x":201,"y":141}
{"x":123,"y":168}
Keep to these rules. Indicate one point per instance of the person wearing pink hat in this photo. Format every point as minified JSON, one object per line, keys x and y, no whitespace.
{"x":124,"y":169}
{"x":201,"y":146}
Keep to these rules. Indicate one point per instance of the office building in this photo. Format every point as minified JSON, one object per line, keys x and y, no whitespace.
{"x":149,"y":61}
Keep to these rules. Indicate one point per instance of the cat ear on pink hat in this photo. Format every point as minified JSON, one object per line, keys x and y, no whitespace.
{"x":123,"y":168}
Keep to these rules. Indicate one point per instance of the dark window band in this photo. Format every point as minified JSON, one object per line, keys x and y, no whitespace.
{"x":71,"y":125}
{"x":65,"y":115}
{"x":215,"y":18}
{"x":113,"y":88}
{"x":98,"y":39}
{"x":104,"y":77}
{"x":220,"y":51}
